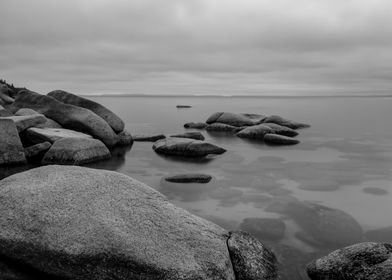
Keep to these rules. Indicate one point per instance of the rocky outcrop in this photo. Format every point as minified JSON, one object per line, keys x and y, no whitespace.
{"x":68,"y":98}
{"x":191,"y":135}
{"x":254,"y":132}
{"x":37,"y":150}
{"x":264,"y":228}
{"x":76,"y":151}
{"x":124,"y":138}
{"x":11,"y":149}
{"x":39,"y":135}
{"x":195,"y":125}
{"x":221,"y":127}
{"x":233,"y":119}
{"x":285,"y":122}
{"x":24,"y":122}
{"x":189,"y":178}
{"x":282,"y":130}
{"x":69,"y":116}
{"x":186,"y":147}
{"x":49,"y":123}
{"x":148,"y":137}
{"x":276,"y":139}
{"x":363,"y":261}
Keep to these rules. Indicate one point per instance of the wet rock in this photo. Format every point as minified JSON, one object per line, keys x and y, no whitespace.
{"x":277,"y":139}
{"x":186,"y":147}
{"x":39,"y":135}
{"x":233,"y":119}
{"x":221,"y":127}
{"x":37,"y":150}
{"x":184,"y":106}
{"x":380,"y":235}
{"x":76,"y":151}
{"x":148,"y":137}
{"x":24,"y":122}
{"x":49,"y":123}
{"x":81,"y":221}
{"x":264,"y":228}
{"x":124,"y":138}
{"x":254,"y":132}
{"x":285,"y":122}
{"x":281,"y":130}
{"x":363,"y":261}
{"x":191,"y":135}
{"x":251,"y":259}
{"x":195,"y":125}
{"x":11,"y":149}
{"x":189,"y":178}
{"x":68,"y":98}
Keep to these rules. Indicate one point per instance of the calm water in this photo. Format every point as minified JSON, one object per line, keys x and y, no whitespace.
{"x":344,"y":162}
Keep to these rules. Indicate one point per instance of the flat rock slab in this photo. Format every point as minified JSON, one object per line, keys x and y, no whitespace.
{"x":235,"y":119}
{"x":11,"y":149}
{"x":221,"y":127}
{"x":191,"y":135}
{"x":276,"y":139}
{"x":264,"y":228}
{"x":195,"y":125}
{"x":39,"y":135}
{"x":24,"y":122}
{"x":148,"y":137}
{"x":282,"y":130}
{"x":254,"y":132}
{"x":285,"y":122}
{"x":186,"y":147}
{"x":363,"y":261}
{"x":76,"y":151}
{"x":189,"y":178}
{"x":37,"y":150}
{"x":81,"y":223}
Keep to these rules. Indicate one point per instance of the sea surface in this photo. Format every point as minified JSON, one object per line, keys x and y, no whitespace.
{"x":344,"y":162}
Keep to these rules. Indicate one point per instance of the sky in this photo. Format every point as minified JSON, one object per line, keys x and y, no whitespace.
{"x":225,"y":47}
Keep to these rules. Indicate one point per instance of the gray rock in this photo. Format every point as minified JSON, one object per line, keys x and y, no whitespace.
{"x":124,"y":138}
{"x":186,"y":147}
{"x":81,"y":223}
{"x":195,"y":125}
{"x":189,"y":178}
{"x":76,"y":151}
{"x":183,"y":106}
{"x":282,"y":130}
{"x":191,"y":135}
{"x":4,"y":112}
{"x":285,"y":122}
{"x":264,"y":228}
{"x":68,"y":116}
{"x":37,"y":150}
{"x":254,"y":132}
{"x":24,"y":122}
{"x":221,"y":127}
{"x":111,"y":118}
{"x":48,"y":124}
{"x":251,"y":259}
{"x":277,"y":139}
{"x":5,"y":97}
{"x":234,"y":119}
{"x":148,"y":137}
{"x":39,"y":135}
{"x":11,"y":149}
{"x":363,"y":261}
{"x":380,"y":235}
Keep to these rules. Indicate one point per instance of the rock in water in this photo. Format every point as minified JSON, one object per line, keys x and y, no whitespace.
{"x":148,"y":137}
{"x":251,"y":259}
{"x":277,"y":139}
{"x":195,"y":125}
{"x":363,"y":261}
{"x":191,"y":135}
{"x":69,"y":116}
{"x":37,"y":150}
{"x":221,"y":127}
{"x":76,"y":151}
{"x":124,"y":138}
{"x":189,"y":178}
{"x":184,"y":106}
{"x":11,"y":149}
{"x":234,"y":119}
{"x":81,"y":223}
{"x":186,"y":147}
{"x":282,"y":130}
{"x":24,"y":122}
{"x":264,"y":228}
{"x":111,"y":118}
{"x":285,"y":122}
{"x":39,"y":135}
{"x":254,"y":132}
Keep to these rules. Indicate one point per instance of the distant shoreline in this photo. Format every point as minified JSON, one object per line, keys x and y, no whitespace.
{"x":236,"y":96}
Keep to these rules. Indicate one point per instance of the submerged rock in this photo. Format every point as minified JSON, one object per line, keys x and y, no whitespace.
{"x":39,"y":135}
{"x":186,"y":147}
{"x":124,"y":138}
{"x":189,"y":178}
{"x":148,"y":137}
{"x":11,"y":149}
{"x":285,"y":122}
{"x":37,"y":150}
{"x":277,"y":139}
{"x":24,"y":122}
{"x":191,"y":135}
{"x":221,"y":127}
{"x":264,"y":228}
{"x":363,"y":261}
{"x":195,"y":125}
{"x":234,"y":119}
{"x":282,"y":130}
{"x":254,"y":132}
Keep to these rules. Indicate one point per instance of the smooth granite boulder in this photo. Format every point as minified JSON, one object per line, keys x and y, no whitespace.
{"x":363,"y":261}
{"x":277,"y":139}
{"x":195,"y":125}
{"x":148,"y":137}
{"x":285,"y":122}
{"x":186,"y":147}
{"x":264,"y":228}
{"x":68,"y":116}
{"x":49,"y":123}
{"x":124,"y":138}
{"x":37,"y":150}
{"x":221,"y":127}
{"x":251,"y":259}
{"x":191,"y":135}
{"x":282,"y":130}
{"x":111,"y":118}
{"x":87,"y":224}
{"x":189,"y":178}
{"x":254,"y":132}
{"x":24,"y":122}
{"x":234,"y":119}
{"x":39,"y":135}
{"x":11,"y":149}
{"x":76,"y":151}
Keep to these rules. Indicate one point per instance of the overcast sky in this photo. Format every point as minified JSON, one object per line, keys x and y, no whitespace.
{"x":258,"y":47}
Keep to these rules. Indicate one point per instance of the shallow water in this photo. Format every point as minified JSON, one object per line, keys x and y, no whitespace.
{"x":344,"y":161}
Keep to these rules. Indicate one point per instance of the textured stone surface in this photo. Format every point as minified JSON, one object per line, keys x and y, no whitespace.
{"x":277,"y":139}
{"x":221,"y":127}
{"x":39,"y":135}
{"x":124,"y":138}
{"x":285,"y":122}
{"x":189,"y":178}
{"x":254,"y":132}
{"x":282,"y":130}
{"x":4,"y":112}
{"x":83,"y":223}
{"x":37,"y":150}
{"x":234,"y":119}
{"x":264,"y":228}
{"x":49,"y":123}
{"x":191,"y":135}
{"x":148,"y":137}
{"x":24,"y":122}
{"x":111,"y":118}
{"x":195,"y":125}
{"x":11,"y":149}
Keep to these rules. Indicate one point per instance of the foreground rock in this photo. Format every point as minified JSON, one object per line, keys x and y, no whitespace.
{"x":233,"y":119}
{"x":111,"y":118}
{"x":37,"y":150}
{"x":39,"y":135}
{"x":282,"y":130}
{"x":285,"y":122}
{"x":11,"y":149}
{"x":264,"y":228}
{"x":195,"y":125}
{"x":186,"y":147}
{"x":189,"y":178}
{"x":24,"y":122}
{"x":221,"y":127}
{"x":49,"y":123}
{"x":191,"y":135}
{"x":254,"y":132}
{"x":148,"y":137}
{"x":76,"y":151}
{"x":251,"y":259}
{"x":94,"y":224}
{"x":69,"y":116}
{"x":363,"y":261}
{"x":277,"y":139}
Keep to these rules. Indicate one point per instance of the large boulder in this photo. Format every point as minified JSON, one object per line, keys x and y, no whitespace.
{"x":37,"y":150}
{"x":11,"y":149}
{"x":285,"y":122}
{"x":39,"y":135}
{"x":76,"y":151}
{"x":111,"y":118}
{"x":282,"y":130}
{"x":363,"y":261}
{"x":186,"y":147}
{"x":235,"y":119}
{"x":69,"y":116}
{"x":49,"y":123}
{"x":276,"y":139}
{"x":124,"y":138}
{"x":24,"y":122}
{"x":81,"y":223}
{"x":191,"y":135}
{"x":254,"y":132}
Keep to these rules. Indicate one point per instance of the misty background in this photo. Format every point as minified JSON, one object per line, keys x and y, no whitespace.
{"x":226,"y":47}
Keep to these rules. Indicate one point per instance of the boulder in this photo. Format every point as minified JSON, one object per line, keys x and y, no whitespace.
{"x":277,"y":139}
{"x":191,"y":135}
{"x":234,"y":119}
{"x":380,"y":235}
{"x":186,"y":147}
{"x":81,"y":223}
{"x":221,"y":127}
{"x":363,"y":261}
{"x":251,"y":259}
{"x":11,"y":149}
{"x":39,"y":135}
{"x":68,"y":116}
{"x":4,"y":112}
{"x":148,"y":137}
{"x":49,"y":123}
{"x":37,"y":150}
{"x":254,"y":132}
{"x":124,"y":138}
{"x":24,"y":122}
{"x":285,"y":122}
{"x":282,"y":130}
{"x":195,"y":125}
{"x":264,"y":228}
{"x":76,"y":151}
{"x":189,"y":178}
